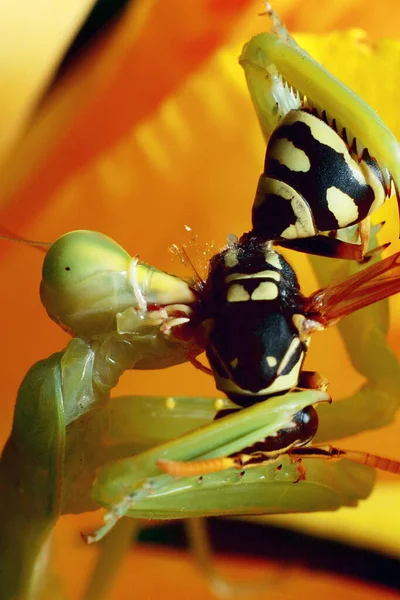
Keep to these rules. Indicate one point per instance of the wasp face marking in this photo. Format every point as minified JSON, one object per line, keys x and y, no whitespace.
{"x":265,"y":291}
{"x":237,"y":293}
{"x":260,"y":275}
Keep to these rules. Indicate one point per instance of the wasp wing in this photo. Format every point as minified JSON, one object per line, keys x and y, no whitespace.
{"x":370,"y":285}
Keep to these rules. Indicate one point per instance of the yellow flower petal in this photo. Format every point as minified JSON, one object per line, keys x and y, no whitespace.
{"x":33,"y":38}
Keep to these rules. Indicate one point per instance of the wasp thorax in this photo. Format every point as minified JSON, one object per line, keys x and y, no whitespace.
{"x":254,"y":348}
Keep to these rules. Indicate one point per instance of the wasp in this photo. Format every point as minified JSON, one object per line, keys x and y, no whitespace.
{"x":317,"y":178}
{"x":258,"y":331}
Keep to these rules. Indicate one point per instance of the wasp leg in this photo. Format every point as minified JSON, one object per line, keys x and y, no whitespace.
{"x":331,"y":453}
{"x":311,"y":380}
{"x":322,"y":245}
{"x":199,"y":365}
{"x":301,"y":469}
{"x":364,"y":230}
{"x":267,"y":451}
{"x":374,"y":252}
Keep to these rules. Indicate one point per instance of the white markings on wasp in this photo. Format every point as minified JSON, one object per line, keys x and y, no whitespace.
{"x":373,"y":180}
{"x":231,"y":258}
{"x":259,"y":275}
{"x":286,"y":153}
{"x":342,"y":206}
{"x":326,"y":136}
{"x":272,"y":257}
{"x":267,"y":290}
{"x":305,"y":326}
{"x":271,"y":361}
{"x":237,"y":293}
{"x":294,"y":344}
{"x":304,"y":226}
{"x":282,"y":382}
{"x":360,"y":169}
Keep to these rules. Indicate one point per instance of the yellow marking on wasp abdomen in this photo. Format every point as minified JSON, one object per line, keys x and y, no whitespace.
{"x":325,"y":135}
{"x":377,"y":187}
{"x":286,"y":153}
{"x":342,"y":206}
{"x":237,"y":293}
{"x":234,"y":363}
{"x":267,"y":290}
{"x":319,"y":130}
{"x":304,"y":225}
{"x":271,"y":361}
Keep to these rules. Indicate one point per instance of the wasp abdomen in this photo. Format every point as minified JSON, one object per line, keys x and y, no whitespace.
{"x":303,"y":427}
{"x":313,"y":182}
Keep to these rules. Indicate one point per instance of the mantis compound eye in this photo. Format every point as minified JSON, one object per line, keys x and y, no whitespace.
{"x":85,"y":280}
{"x":80,"y":255}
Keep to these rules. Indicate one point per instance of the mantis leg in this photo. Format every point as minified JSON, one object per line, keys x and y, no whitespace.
{"x":135,"y":486}
{"x":112,"y":552}
{"x":200,"y":546}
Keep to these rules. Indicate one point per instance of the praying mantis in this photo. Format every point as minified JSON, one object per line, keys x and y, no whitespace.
{"x":70,"y":447}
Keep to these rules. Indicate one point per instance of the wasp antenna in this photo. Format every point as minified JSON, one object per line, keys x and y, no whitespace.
{"x":181,"y":253}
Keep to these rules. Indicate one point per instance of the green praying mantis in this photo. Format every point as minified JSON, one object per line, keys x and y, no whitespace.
{"x":74,"y":449}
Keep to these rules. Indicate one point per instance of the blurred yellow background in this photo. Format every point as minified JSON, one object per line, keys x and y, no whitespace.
{"x":150,"y":131}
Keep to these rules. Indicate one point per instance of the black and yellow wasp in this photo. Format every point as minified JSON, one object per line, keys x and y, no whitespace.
{"x":324,"y":174}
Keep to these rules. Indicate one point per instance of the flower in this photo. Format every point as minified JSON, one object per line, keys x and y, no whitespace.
{"x":150,"y":130}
